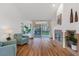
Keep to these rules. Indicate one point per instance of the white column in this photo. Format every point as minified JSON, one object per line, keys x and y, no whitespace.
{"x":64,"y":41}
{"x":53,"y":34}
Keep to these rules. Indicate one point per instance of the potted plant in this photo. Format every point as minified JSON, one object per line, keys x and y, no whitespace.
{"x":27,"y":29}
{"x":71,"y":40}
{"x":74,"y":43}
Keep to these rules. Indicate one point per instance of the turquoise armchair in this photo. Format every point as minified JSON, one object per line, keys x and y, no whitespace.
{"x":21,"y":39}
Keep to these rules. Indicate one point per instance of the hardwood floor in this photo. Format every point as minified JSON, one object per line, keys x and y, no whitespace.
{"x":42,"y":47}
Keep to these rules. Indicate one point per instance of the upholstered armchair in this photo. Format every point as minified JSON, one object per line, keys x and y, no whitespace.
{"x":21,"y":39}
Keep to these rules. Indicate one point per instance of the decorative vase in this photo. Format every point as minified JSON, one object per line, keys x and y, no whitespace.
{"x":76,"y":17}
{"x":74,"y":47}
{"x":71,"y":16}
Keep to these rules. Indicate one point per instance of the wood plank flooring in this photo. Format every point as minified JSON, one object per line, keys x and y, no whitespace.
{"x":42,"y":47}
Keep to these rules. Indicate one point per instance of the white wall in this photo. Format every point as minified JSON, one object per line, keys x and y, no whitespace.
{"x":66,"y":25}
{"x":66,"y":17}
{"x":10,"y":16}
{"x":15,"y":26}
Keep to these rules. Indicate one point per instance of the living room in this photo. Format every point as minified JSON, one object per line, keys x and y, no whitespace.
{"x":37,"y":29}
{"x":18,"y":25}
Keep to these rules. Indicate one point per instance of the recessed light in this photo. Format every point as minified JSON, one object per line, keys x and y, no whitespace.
{"x":53,"y":5}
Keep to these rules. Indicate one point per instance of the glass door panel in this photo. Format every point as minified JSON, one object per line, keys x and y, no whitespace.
{"x":42,"y":30}
{"x":37,"y":30}
{"x":45,"y":30}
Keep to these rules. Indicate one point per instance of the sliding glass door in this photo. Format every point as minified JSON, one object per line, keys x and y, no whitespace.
{"x":45,"y":30}
{"x":37,"y":32}
{"x":42,"y":30}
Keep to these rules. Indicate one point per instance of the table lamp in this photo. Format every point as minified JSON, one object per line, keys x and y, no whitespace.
{"x":8,"y":30}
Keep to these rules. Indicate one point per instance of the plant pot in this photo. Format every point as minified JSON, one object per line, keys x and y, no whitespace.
{"x":74,"y":47}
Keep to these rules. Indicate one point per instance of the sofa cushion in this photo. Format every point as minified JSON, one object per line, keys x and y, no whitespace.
{"x":9,"y":42}
{"x":8,"y":50}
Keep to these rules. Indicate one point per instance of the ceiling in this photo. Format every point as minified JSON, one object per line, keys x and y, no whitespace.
{"x":27,"y":11}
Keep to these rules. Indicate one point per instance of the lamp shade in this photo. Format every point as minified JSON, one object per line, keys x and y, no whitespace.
{"x":7,"y":29}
